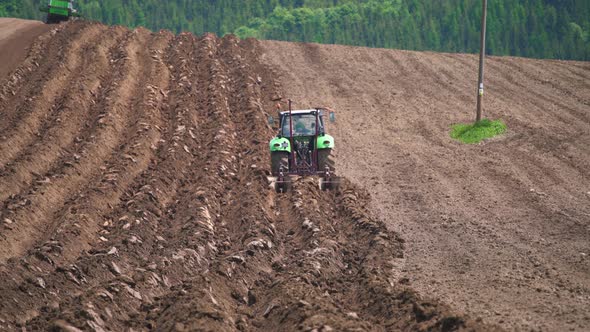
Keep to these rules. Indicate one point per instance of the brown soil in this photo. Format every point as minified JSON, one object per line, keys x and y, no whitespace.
{"x":134,"y":196}
{"x":498,"y":230}
{"x":15,"y":38}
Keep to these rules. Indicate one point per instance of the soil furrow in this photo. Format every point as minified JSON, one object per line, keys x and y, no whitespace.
{"x":86,"y":210}
{"x":439,"y":81}
{"x":549,"y":73}
{"x":208,"y":129}
{"x":149,"y":208}
{"x":547,"y":88}
{"x":36,"y":67}
{"x":64,"y":124}
{"x":117,"y":231}
{"x":47,"y":198}
{"x":515,"y":89}
{"x":33,"y":112}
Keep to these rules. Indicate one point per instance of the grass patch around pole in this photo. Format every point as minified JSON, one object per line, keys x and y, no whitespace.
{"x":476,"y":132}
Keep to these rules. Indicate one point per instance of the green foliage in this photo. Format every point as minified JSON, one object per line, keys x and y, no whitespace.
{"x":476,"y":132}
{"x":531,"y":28}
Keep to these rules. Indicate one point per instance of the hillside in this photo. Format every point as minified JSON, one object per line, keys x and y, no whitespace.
{"x":530,"y":28}
{"x":134,"y":193}
{"x":500,"y":229}
{"x":134,"y":196}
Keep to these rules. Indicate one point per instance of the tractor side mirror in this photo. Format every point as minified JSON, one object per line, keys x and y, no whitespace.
{"x":271,"y":120}
{"x":332,"y":117}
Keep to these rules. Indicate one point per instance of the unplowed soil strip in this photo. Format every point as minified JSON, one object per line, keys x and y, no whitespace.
{"x":544,"y":107}
{"x":496,"y":225}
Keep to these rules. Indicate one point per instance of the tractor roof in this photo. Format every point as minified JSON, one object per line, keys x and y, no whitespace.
{"x":300,"y":111}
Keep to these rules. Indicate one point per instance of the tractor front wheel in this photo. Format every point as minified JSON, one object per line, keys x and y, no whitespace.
{"x":277,"y":159}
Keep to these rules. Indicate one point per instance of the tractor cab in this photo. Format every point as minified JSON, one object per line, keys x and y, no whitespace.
{"x":305,"y":123}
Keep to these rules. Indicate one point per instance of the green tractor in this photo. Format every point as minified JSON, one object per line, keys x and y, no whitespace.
{"x":302,"y":148}
{"x":59,"y":10}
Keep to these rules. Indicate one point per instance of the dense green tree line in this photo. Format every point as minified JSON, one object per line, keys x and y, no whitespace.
{"x":198,"y":16}
{"x":531,"y":28}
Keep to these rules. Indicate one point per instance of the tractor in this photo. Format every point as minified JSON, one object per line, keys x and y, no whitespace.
{"x":59,"y":10}
{"x":302,"y":148}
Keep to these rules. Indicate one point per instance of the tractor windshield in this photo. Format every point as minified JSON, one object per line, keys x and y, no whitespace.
{"x":303,"y":125}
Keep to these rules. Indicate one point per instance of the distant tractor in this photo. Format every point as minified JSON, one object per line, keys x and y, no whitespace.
{"x":59,"y":10}
{"x":302,"y":148}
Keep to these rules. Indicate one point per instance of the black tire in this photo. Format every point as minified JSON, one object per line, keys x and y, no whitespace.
{"x":55,"y":19}
{"x":325,"y":158}
{"x":276,"y":160}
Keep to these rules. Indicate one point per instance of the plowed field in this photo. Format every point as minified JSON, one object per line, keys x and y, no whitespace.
{"x":134,"y":193}
{"x":134,"y":196}
{"x":500,"y":230}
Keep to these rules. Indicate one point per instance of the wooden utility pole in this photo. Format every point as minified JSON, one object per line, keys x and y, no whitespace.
{"x":482,"y":53}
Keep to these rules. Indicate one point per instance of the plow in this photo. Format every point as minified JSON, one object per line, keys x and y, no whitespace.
{"x":302,"y":148}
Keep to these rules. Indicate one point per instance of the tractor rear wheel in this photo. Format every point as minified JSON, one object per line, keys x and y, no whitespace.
{"x":325,"y":158}
{"x":277,"y":159}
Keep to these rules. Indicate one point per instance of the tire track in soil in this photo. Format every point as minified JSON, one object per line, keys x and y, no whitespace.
{"x":539,"y":138}
{"x":64,"y":123}
{"x":29,"y":211}
{"x":582,"y":72}
{"x":33,"y":112}
{"x":504,"y":82}
{"x":529,"y":76}
{"x":440,"y":79}
{"x":551,"y":74}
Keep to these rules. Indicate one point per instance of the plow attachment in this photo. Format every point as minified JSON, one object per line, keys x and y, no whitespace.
{"x":330,"y":183}
{"x":282,"y":182}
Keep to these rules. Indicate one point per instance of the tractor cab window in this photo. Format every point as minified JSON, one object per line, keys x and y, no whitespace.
{"x":303,"y":125}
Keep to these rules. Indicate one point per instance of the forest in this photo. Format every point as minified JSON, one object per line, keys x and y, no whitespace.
{"x":558,"y":29}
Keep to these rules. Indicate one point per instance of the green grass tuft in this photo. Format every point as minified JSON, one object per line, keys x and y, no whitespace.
{"x":476,"y":132}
